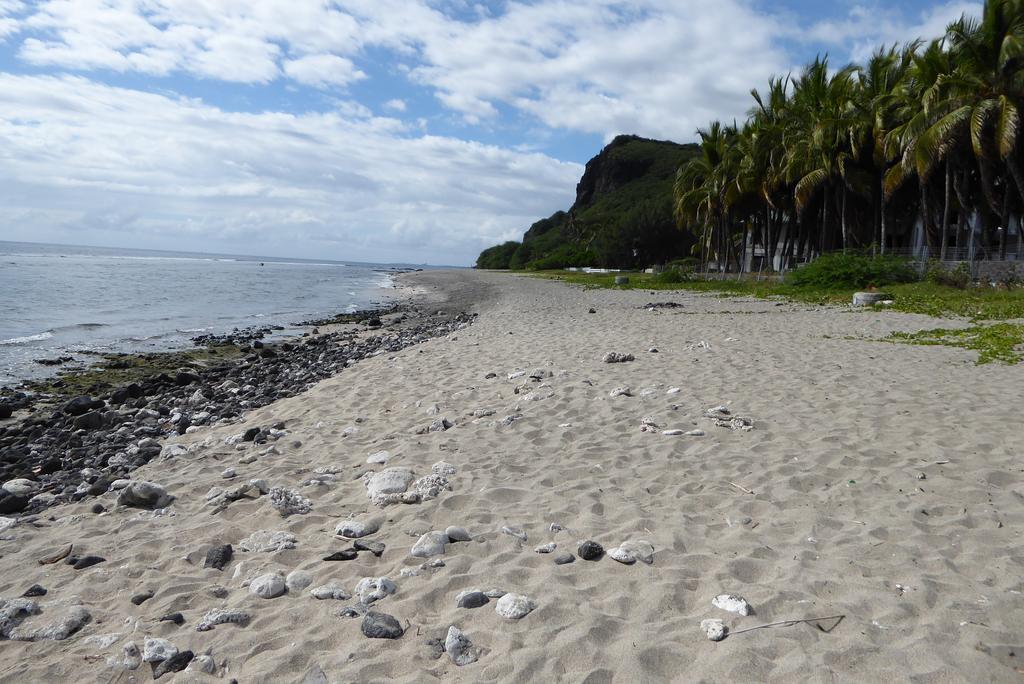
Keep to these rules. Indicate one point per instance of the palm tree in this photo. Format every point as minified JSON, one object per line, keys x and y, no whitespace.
{"x":818,"y":144}
{"x":821,"y":156}
{"x":878,"y":112}
{"x":702,"y":192}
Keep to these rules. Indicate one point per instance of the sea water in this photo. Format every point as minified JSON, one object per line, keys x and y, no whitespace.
{"x":58,"y":300}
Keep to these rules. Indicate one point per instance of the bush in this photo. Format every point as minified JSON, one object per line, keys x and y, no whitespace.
{"x":959,"y":277}
{"x":673,"y":275}
{"x":685,"y":264}
{"x":852,"y":270}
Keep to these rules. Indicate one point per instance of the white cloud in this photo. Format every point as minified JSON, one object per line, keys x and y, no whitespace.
{"x":78,"y":156}
{"x":866,"y":27}
{"x":75,"y":153}
{"x":323,"y":70}
{"x":604,"y":66}
{"x":654,"y":67}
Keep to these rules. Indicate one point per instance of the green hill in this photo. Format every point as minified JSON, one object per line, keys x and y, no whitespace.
{"x":622,"y":217}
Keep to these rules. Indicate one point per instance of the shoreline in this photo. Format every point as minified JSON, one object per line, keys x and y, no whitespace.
{"x":179,"y":392}
{"x":878,"y":482}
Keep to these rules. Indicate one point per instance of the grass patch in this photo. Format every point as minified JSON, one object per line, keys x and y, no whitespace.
{"x":1002,"y":342}
{"x":940,"y":301}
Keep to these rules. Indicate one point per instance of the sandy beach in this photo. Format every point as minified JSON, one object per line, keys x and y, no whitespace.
{"x":879,"y":482}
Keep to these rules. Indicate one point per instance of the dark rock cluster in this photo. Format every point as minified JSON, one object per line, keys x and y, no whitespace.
{"x":77,"y":448}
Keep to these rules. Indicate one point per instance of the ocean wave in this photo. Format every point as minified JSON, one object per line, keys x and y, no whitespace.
{"x":80,"y":326}
{"x":192,"y":330}
{"x":28,"y":338}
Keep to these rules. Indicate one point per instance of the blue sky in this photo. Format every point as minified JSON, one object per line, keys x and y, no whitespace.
{"x":375,"y":130}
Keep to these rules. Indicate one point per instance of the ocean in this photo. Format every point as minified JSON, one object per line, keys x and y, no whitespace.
{"x":61,"y":300}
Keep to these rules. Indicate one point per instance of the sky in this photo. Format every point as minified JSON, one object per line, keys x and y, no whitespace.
{"x":411,"y":131}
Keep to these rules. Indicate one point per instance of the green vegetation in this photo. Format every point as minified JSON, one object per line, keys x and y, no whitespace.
{"x":976,"y":304}
{"x":497,"y":257}
{"x":117,"y":370}
{"x":839,"y":271}
{"x":1000,"y":342}
{"x":622,"y":217}
{"x":838,"y":158}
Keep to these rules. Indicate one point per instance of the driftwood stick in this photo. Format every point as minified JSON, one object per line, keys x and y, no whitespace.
{"x":741,"y":488}
{"x":787,"y":623}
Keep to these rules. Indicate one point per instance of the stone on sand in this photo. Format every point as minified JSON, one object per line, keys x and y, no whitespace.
{"x":146,"y":495}
{"x":371,"y":589}
{"x":732,"y":603}
{"x":714,"y":629}
{"x":155,"y":650}
{"x":430,"y":544}
{"x":265,"y":541}
{"x":297,"y":580}
{"x":268,"y":586}
{"x":459,"y":648}
{"x":381,"y":626}
{"x":632,"y":551}
{"x":354,"y":529}
{"x":514,"y":606}
{"x":471,"y":599}
{"x":330,"y":591}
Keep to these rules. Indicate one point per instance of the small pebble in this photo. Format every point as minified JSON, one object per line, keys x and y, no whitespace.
{"x":176,"y":618}
{"x":297,"y":580}
{"x":459,"y":648}
{"x":457,"y":534}
{"x":564,"y":558}
{"x":381,"y":626}
{"x":374,"y":547}
{"x":546,"y":548}
{"x":217,"y":591}
{"x":142,"y":597}
{"x":354,"y":529}
{"x":88,"y":562}
{"x":345,"y":555}
{"x":732,"y":603}
{"x":34,"y":590}
{"x":715,"y":630}
{"x":176,"y":663}
{"x":471,"y":599}
{"x":590,"y":550}
{"x":268,"y":586}
{"x":218,"y":556}
{"x":514,"y":606}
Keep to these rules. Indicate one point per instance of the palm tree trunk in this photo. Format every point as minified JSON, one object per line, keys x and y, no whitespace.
{"x":882,"y":212}
{"x":1017,"y":173}
{"x":925,"y":214}
{"x":959,"y":231}
{"x":988,"y":188}
{"x":824,"y":223}
{"x":877,"y":209}
{"x":1005,"y":227}
{"x":843,"y":217}
{"x":945,"y":212}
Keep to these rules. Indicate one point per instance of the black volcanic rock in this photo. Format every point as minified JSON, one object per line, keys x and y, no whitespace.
{"x":81,"y":405}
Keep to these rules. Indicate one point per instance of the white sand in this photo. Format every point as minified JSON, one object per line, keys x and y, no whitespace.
{"x":927,"y":571}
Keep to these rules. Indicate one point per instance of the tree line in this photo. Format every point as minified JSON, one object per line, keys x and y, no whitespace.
{"x":917,"y":149}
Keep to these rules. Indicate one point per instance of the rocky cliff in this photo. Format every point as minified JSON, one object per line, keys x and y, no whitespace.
{"x":622,"y":216}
